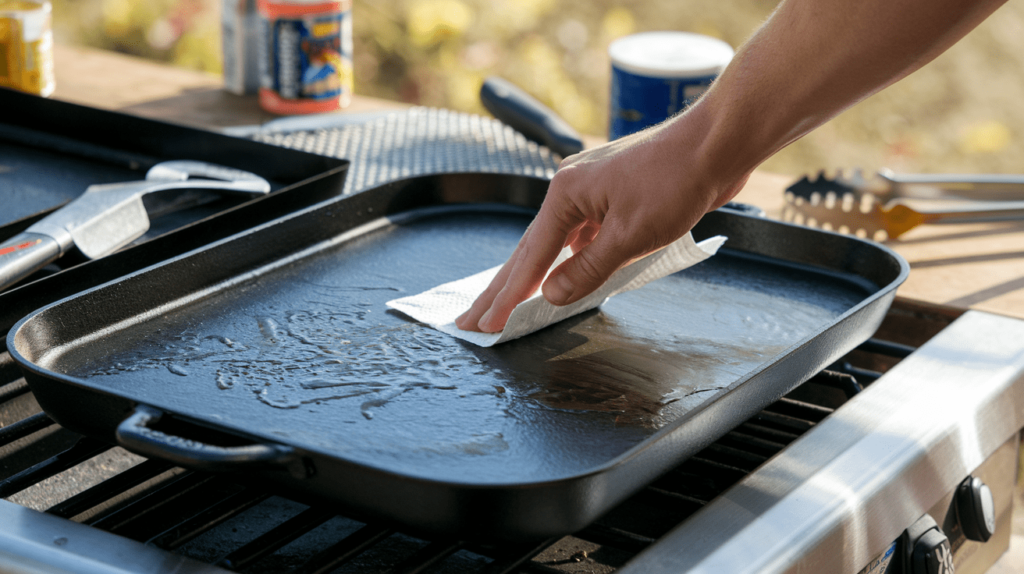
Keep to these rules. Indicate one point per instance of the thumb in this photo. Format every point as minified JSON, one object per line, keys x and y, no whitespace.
{"x":585,"y":271}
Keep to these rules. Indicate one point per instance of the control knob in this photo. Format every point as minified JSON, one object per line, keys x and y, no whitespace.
{"x":926,"y":549}
{"x":975,"y":509}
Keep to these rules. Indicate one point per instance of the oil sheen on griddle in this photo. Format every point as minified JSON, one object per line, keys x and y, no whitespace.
{"x":311,"y":353}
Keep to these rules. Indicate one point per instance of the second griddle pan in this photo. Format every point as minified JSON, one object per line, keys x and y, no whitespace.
{"x":52,"y":151}
{"x":272,"y":353}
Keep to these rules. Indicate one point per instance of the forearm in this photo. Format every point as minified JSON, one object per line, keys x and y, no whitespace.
{"x":634,"y":195}
{"x":811,"y":60}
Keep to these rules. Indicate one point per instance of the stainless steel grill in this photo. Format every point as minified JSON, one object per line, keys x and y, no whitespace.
{"x":70,"y":497}
{"x":828,"y":479}
{"x":242,"y":527}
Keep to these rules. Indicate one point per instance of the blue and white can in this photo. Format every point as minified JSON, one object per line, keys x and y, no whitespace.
{"x":657,"y":74}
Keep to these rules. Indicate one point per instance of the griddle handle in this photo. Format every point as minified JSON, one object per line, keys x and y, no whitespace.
{"x":135,"y":434}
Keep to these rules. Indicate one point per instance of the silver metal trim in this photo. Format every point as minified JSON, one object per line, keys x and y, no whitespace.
{"x":37,"y":543}
{"x":843,"y":492}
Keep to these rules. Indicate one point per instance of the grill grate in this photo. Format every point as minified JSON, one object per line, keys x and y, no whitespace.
{"x":243,"y":528}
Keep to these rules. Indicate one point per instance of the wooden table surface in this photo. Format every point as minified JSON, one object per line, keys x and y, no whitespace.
{"x":978,"y":266}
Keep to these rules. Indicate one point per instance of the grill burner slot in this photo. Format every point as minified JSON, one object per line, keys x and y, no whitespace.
{"x":241,"y":527}
{"x":84,"y":449}
{"x":274,"y":539}
{"x":107,"y":494}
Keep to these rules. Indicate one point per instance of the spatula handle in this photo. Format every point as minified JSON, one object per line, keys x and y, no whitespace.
{"x":23,"y":254}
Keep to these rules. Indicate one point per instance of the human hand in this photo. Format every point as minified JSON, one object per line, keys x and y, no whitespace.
{"x":612,"y":204}
{"x":633,"y":196}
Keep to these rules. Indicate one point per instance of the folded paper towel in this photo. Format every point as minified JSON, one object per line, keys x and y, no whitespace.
{"x":440,"y":306}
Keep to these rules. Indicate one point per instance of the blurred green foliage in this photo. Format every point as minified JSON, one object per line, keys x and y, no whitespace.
{"x":182,"y":32}
{"x":962,"y":112}
{"x":437,"y":52}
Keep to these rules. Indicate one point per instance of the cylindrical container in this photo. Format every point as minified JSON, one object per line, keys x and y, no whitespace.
{"x":26,"y":46}
{"x":305,"y":55}
{"x":657,"y":74}
{"x":240,"y":23}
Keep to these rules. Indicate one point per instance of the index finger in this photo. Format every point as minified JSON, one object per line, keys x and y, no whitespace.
{"x":469,"y":320}
{"x":522,"y":275}
{"x":535,"y":254}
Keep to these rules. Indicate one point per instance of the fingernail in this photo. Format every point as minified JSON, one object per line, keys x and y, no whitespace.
{"x":558,"y":289}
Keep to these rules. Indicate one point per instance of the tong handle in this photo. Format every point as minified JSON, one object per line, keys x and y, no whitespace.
{"x":24,"y":254}
{"x":987,"y":187}
{"x":977,"y":212}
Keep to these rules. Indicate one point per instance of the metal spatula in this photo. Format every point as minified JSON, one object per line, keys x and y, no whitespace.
{"x":109,"y":216}
{"x":874,"y":209}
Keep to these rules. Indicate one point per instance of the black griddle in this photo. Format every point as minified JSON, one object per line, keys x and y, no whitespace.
{"x":51,"y":151}
{"x":271,"y":354}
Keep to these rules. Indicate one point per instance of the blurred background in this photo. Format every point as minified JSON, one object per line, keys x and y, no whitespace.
{"x":962,"y":113}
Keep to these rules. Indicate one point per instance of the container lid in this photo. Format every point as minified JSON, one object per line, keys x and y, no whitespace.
{"x":670,"y":54}
{"x":34,"y":16}
{"x":300,"y":8}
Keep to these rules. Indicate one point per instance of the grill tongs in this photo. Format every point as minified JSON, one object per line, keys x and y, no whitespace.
{"x":109,"y":216}
{"x":877,"y":207}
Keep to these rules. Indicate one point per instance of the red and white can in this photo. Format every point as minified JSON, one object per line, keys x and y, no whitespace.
{"x":306,"y":55}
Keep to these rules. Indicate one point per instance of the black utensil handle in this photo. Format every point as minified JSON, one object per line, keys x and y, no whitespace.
{"x":744,"y":208}
{"x":24,"y":254}
{"x":134,"y":434}
{"x":528,"y":116}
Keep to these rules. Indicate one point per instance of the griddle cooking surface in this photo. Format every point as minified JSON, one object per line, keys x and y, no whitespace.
{"x":308,"y":354}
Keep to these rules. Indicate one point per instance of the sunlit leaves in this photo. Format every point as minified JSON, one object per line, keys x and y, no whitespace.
{"x":960,"y":113}
{"x":433,"y":22}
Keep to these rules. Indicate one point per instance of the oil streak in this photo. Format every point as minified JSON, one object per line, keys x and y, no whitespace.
{"x":177,"y":369}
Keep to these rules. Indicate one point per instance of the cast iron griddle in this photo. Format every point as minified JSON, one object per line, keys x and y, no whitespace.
{"x":52,"y":151}
{"x":530,"y":438}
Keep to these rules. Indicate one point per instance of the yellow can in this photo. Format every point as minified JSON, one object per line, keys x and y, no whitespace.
{"x":26,"y":46}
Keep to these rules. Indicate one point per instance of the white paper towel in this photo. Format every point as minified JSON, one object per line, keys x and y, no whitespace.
{"x":440,"y":306}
